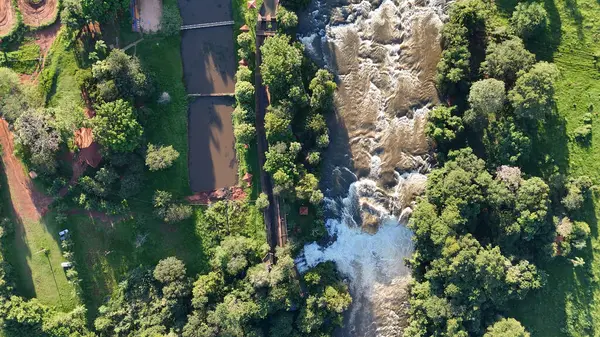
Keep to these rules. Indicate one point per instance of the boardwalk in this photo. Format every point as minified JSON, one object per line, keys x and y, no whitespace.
{"x":207,"y":25}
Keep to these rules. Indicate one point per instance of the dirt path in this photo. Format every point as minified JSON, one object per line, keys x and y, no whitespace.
{"x":44,"y":39}
{"x":28,"y":203}
{"x":7,"y":17}
{"x":38,"y":15}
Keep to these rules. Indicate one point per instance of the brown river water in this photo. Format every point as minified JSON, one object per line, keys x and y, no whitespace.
{"x":384,"y":55}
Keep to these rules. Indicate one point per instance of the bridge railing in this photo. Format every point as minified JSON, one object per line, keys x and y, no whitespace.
{"x":207,"y":25}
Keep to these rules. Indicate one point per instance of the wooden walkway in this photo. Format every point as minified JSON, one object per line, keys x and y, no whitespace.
{"x":207,"y":25}
{"x":213,"y":95}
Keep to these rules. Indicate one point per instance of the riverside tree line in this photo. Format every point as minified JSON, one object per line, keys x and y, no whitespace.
{"x":499,"y":202}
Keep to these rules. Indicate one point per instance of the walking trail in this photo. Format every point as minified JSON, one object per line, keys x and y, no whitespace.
{"x":28,"y":203}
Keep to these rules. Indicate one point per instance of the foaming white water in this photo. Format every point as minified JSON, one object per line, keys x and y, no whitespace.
{"x":384,"y":55}
{"x":373,"y":262}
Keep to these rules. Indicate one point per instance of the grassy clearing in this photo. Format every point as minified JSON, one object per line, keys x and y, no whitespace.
{"x":162,"y":59}
{"x":569,"y":304}
{"x":106,"y":251}
{"x":36,"y":274}
{"x":24,"y":60}
{"x":39,"y":274}
{"x":57,"y":81}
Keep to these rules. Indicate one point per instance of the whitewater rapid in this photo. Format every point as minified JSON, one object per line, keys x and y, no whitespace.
{"x":384,"y":55}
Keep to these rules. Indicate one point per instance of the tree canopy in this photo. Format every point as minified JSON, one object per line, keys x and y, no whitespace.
{"x":506,"y":59}
{"x":116,"y":127}
{"x":533,"y":94}
{"x":281,"y":65}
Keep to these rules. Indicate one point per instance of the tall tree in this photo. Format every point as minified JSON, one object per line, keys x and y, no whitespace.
{"x":506,"y":59}
{"x":115,"y":126}
{"x":41,"y":141}
{"x":533,"y":94}
{"x":281,"y":66}
{"x":506,"y":327}
{"x":529,"y":19}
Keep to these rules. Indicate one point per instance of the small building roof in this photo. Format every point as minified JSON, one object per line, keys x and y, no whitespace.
{"x":303,"y":210}
{"x":251,"y":4}
{"x":244,"y":28}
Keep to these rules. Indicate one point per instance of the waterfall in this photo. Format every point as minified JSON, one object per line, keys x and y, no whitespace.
{"x":384,"y":55}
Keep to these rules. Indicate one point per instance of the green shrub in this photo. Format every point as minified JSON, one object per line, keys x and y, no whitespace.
{"x":244,"y":92}
{"x":170,"y":22}
{"x":583,"y":134}
{"x":243,"y":74}
{"x":160,"y":157}
{"x":244,"y":133}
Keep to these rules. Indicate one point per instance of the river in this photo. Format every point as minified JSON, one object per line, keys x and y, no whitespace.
{"x":384,"y":55}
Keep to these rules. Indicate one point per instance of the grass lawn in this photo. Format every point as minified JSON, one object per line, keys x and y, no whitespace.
{"x":57,"y":81}
{"x":23,"y":60}
{"x":36,"y":274}
{"x":569,"y":304}
{"x":106,"y":251}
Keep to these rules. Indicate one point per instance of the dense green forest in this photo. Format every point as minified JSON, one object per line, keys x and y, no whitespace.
{"x":502,"y":204}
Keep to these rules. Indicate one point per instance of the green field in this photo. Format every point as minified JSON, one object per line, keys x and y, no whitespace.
{"x":569,"y":304}
{"x":37,"y":274}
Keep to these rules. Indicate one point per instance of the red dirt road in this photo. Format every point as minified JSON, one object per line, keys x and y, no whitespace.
{"x":7,"y":17}
{"x":36,"y":16}
{"x":28,"y":203}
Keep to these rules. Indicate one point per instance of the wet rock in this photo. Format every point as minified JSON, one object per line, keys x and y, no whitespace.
{"x":388,"y":179}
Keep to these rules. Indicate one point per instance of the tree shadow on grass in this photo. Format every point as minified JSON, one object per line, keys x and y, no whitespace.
{"x":17,"y":251}
{"x":580,"y":295}
{"x":573,"y":10}
{"x":549,"y":148}
{"x":544,"y":45}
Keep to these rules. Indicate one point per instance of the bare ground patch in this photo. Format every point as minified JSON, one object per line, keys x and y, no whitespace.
{"x":7,"y":17}
{"x":29,"y":204}
{"x":36,"y":15}
{"x":150,"y":14}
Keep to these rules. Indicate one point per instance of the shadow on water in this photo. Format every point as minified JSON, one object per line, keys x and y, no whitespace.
{"x":208,"y":56}
{"x":208,"y":60}
{"x":211,"y":154}
{"x":337,"y":165}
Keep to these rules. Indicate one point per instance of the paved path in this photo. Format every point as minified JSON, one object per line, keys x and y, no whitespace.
{"x":133,"y":44}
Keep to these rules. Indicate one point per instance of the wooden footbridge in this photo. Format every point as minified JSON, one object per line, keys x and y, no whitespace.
{"x":207,"y":25}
